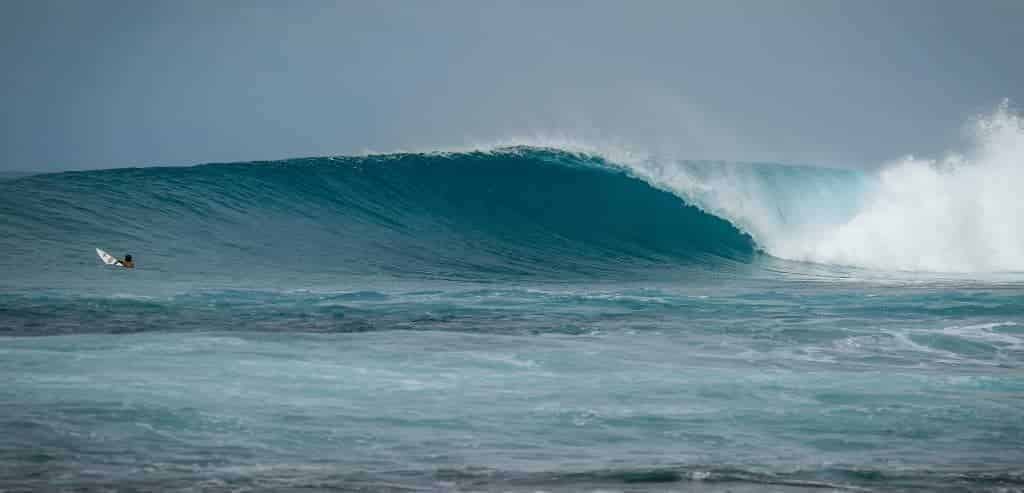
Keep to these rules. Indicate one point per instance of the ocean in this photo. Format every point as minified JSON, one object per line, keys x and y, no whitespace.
{"x":518,"y":318}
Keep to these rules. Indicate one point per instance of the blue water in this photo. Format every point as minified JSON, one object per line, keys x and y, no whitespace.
{"x":520,"y":319}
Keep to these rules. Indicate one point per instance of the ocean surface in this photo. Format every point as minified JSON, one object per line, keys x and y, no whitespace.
{"x":515,"y":318}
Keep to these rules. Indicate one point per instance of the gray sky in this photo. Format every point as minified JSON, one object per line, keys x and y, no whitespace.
{"x":103,"y":84}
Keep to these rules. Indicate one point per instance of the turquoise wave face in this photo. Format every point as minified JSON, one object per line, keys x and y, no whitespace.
{"x":515,"y":213}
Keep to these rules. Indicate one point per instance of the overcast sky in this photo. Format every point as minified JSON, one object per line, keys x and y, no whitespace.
{"x":102,"y":84}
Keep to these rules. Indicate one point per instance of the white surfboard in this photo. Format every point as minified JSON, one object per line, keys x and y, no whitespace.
{"x":107,"y":258}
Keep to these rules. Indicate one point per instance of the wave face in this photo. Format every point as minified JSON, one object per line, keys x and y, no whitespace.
{"x":516,"y":212}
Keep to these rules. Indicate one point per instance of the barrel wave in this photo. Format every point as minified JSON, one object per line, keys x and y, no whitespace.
{"x":514,"y":212}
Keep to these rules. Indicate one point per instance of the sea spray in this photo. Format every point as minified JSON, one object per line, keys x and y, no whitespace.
{"x":962,"y":213}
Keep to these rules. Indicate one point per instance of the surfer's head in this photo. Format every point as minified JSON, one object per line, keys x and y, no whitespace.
{"x":128,"y":258}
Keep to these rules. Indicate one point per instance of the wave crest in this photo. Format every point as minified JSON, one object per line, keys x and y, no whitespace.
{"x":477,"y":215}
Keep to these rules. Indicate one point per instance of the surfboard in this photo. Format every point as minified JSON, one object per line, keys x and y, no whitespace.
{"x":107,"y":258}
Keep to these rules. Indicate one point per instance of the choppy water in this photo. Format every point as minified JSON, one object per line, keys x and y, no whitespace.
{"x":520,"y":319}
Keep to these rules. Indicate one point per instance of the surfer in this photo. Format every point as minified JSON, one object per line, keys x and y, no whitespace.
{"x":109,"y":259}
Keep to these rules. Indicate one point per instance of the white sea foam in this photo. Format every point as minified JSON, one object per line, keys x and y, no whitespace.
{"x":962,"y":213}
{"x":987,"y":333}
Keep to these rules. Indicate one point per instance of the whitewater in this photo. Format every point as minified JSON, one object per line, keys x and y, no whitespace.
{"x":532,"y":315}
{"x":960,"y":213}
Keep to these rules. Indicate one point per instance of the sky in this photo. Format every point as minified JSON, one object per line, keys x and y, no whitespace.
{"x":112,"y":83}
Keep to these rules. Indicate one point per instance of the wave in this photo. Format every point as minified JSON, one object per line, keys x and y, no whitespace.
{"x":531,"y":209}
{"x":710,"y":479}
{"x":511,"y":212}
{"x":719,"y":478}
